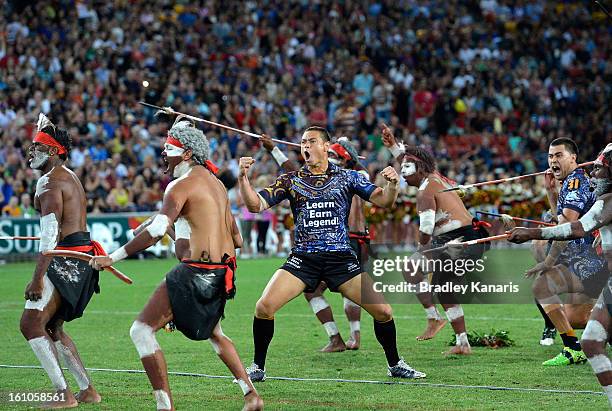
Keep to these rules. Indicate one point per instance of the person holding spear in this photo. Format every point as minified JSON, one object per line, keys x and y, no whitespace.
{"x":60,"y":288}
{"x":442,"y":219}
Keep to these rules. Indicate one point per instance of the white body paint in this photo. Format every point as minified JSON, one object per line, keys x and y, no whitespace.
{"x":163,"y":400}
{"x":182,"y":229}
{"x":173,"y":151}
{"x":590,"y":220}
{"x":427,"y":221}
{"x":432,"y":313}
{"x":451,"y":225}
{"x":600,"y":363}
{"x":244,"y":386}
{"x":397,"y":150}
{"x":279,"y":156}
{"x":119,"y":254}
{"x":144,"y":339}
{"x":424,"y":184}
{"x":318,"y":304}
{"x":606,"y":237}
{"x":49,"y":231}
{"x":462,"y":339}
{"x":454,"y":313}
{"x":608,"y":390}
{"x":355,"y":326}
{"x":594,"y":331}
{"x":158,"y":226}
{"x":331,"y":328}
{"x":80,"y":375}
{"x":46,"y":296}
{"x":44,"y":352}
{"x":348,"y":303}
{"x":558,"y":231}
{"x":181,"y":169}
{"x":38,"y":159}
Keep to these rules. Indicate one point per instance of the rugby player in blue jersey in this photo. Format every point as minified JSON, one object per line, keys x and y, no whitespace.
{"x":320,"y":194}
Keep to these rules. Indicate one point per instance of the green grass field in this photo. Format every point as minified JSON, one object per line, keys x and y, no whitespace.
{"x":103,"y":340}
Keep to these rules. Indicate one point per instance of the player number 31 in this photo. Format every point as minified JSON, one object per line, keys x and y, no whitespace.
{"x":36,"y":396}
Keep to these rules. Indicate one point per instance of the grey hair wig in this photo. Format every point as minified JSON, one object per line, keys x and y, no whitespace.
{"x":193,"y":139}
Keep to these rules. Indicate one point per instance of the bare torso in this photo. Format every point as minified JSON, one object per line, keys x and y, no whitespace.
{"x":450,"y":210}
{"x":207,"y":211}
{"x":73,"y":199}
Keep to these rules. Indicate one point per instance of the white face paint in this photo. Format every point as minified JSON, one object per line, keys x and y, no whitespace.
{"x":600,"y":186}
{"x":408,"y":169}
{"x":334,"y":161}
{"x":39,"y":159}
{"x":173,"y":151}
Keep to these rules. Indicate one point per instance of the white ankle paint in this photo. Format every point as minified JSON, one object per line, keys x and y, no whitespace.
{"x":355,"y":326}
{"x":600,"y":363}
{"x":432,"y":313}
{"x":608,"y":390}
{"x":44,"y":352}
{"x":594,"y":331}
{"x":79,"y":373}
{"x":331,"y":328}
{"x":462,"y":339}
{"x":163,"y":400}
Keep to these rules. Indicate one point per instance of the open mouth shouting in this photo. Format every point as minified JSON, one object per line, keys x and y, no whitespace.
{"x":306,"y":155}
{"x":556,"y":170}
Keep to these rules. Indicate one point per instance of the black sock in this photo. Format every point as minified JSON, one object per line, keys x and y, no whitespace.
{"x":263,"y":331}
{"x":571,"y":341}
{"x":547,"y":322}
{"x":385,"y":334}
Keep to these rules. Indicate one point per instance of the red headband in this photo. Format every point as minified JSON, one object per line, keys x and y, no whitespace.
{"x":341,"y":151}
{"x":173,"y":141}
{"x":47,"y":140}
{"x":208,"y":164}
{"x":602,"y":160}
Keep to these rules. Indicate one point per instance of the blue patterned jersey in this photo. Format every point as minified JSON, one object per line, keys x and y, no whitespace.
{"x":321,"y":204}
{"x":579,"y":256}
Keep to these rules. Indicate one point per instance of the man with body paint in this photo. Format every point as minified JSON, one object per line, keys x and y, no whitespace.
{"x":442,"y":218}
{"x":597,"y":332}
{"x":570,"y":267}
{"x":194,"y":293}
{"x":320,"y":194}
{"x":61,"y":287}
{"x":344,"y":155}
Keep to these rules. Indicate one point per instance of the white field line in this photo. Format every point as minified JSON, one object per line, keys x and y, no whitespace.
{"x":343,"y":380}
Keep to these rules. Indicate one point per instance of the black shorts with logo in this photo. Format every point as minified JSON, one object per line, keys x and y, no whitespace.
{"x":335,"y":268}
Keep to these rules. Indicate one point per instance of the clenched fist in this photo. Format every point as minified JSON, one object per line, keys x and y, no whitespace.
{"x":244,"y":165}
{"x":390,"y":175}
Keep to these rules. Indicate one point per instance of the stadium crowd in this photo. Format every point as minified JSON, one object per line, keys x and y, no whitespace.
{"x":492,"y":82}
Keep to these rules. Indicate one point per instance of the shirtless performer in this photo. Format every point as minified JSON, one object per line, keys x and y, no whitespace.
{"x":60,"y":288}
{"x":344,"y":155}
{"x":599,"y":327}
{"x":320,"y":194}
{"x":194,"y":293}
{"x":443,"y":218}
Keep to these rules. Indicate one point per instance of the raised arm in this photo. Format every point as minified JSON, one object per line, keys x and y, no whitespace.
{"x":51,"y":211}
{"x":252,"y":201}
{"x":389,"y":141}
{"x":280,"y":157}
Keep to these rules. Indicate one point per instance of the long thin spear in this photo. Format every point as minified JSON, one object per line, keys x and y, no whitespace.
{"x":526,"y":220}
{"x":505,"y":180}
{"x":171,"y":111}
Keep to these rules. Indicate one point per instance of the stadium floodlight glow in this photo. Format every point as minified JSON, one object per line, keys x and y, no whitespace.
{"x":171,"y":111}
